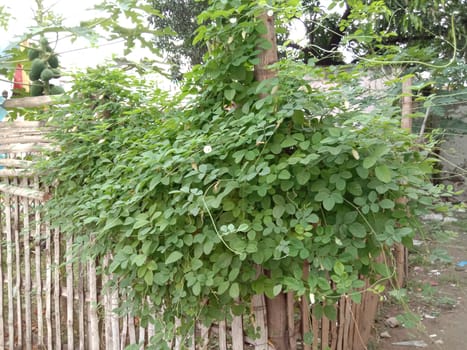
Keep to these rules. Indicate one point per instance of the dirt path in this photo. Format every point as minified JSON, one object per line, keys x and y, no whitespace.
{"x":436,"y":292}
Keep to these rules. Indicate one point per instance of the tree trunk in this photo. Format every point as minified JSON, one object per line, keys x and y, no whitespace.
{"x":276,"y":307}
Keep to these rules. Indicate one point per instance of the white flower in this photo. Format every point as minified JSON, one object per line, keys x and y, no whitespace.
{"x":207,"y":149}
{"x":233,"y":20}
{"x":270,"y":13}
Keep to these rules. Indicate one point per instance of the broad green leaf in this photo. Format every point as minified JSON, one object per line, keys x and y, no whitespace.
{"x":329,"y":203}
{"x":173,"y":257}
{"x":234,"y":290}
{"x":383,"y":173}
{"x":368,"y":162}
{"x":357,"y":230}
{"x":386,"y":204}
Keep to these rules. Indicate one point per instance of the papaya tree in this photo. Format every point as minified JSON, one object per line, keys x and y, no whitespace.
{"x":224,"y":192}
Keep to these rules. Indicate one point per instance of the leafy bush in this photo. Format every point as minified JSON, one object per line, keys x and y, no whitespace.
{"x":191,"y":194}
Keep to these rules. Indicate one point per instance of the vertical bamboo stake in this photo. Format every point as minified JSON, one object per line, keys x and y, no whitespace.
{"x":141,"y":338}
{"x":27,"y":269}
{"x":237,"y":332}
{"x":324,"y":332}
{"x":178,"y":338}
{"x":94,"y":343}
{"x":2,"y":323}
{"x":204,"y":335}
{"x":9,"y":264}
{"x":81,"y":303}
{"x":406,"y":121}
{"x":222,"y":335}
{"x":305,"y":308}
{"x":340,"y":333}
{"x":48,"y":286}
{"x":131,"y":329}
{"x":258,"y":305}
{"x":16,"y":229}
{"x":115,"y":325}
{"x":107,"y":308}
{"x":124,"y":334}
{"x":291,"y":320}
{"x":56,"y":293}
{"x":69,"y":294}
{"x":37,"y":253}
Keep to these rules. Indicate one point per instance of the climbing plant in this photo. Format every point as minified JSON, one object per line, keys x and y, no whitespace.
{"x":191,"y":193}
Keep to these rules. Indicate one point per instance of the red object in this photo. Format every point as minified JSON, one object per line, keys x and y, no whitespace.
{"x":20,"y":79}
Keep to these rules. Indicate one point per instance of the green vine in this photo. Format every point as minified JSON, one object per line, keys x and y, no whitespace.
{"x":190,"y":193}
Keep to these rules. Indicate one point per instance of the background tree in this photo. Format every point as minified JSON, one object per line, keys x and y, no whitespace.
{"x":179,"y":16}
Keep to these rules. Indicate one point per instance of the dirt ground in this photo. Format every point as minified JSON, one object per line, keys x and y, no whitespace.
{"x":433,"y":312}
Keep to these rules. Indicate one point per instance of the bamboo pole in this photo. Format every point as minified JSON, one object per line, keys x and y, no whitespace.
{"x":48,"y":286}
{"x":94,"y":341}
{"x":81,"y":302}
{"x":291,"y":320}
{"x":21,"y":191}
{"x":114,"y":319}
{"x":142,"y":334}
{"x":16,"y":230}
{"x":305,"y":308}
{"x":107,"y":309}
{"x":16,"y":163}
{"x":69,"y":293}
{"x":27,"y":270}
{"x":340,"y":332}
{"x":124,"y":333}
{"x":30,"y":102}
{"x":237,"y":332}
{"x":222,"y":335}
{"x":324,"y":332}
{"x":131,"y":329}
{"x":37,"y":253}
{"x":9,"y":264}
{"x":56,"y":293}
{"x":2,"y":323}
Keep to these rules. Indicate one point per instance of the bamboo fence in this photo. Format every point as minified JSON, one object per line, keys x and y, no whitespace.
{"x":50,"y":301}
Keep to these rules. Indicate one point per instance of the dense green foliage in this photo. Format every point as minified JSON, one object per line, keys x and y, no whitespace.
{"x":190,"y":194}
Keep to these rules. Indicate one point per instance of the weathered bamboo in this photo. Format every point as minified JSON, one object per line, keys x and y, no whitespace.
{"x":37,"y":253}
{"x":204,"y":335}
{"x":21,"y":191}
{"x":2,"y":323}
{"x":27,"y":269}
{"x":222,"y":335}
{"x":30,"y":102}
{"x":15,"y":172}
{"x":124,"y":333}
{"x":324,"y":332}
{"x":16,"y":163}
{"x":93,"y":332}
{"x":114,"y":319}
{"x":237,"y":332}
{"x":131,"y":329}
{"x":291,"y":320}
{"x":20,"y":139}
{"x":315,"y":330}
{"x":48,"y":285}
{"x":81,"y":308}
{"x":9,"y":264}
{"x":305,"y":308}
{"x":27,"y":148}
{"x":56,"y":293}
{"x":142,"y":336}
{"x":16,"y":230}
{"x":106,"y":304}
{"x":69,"y":293}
